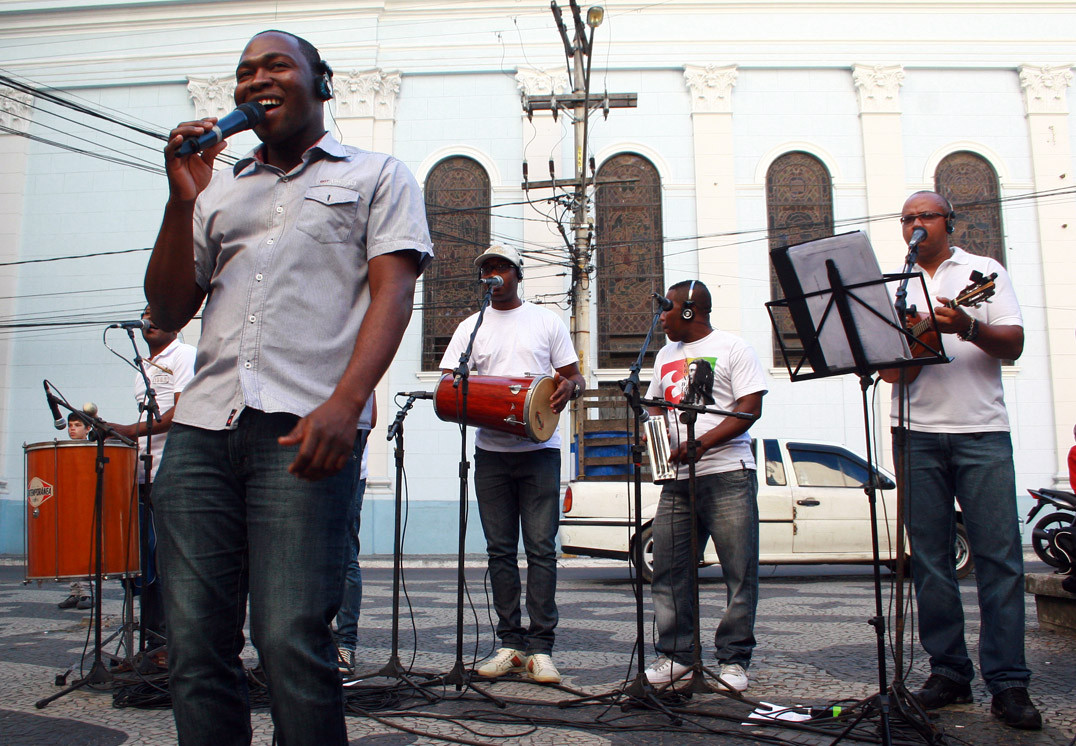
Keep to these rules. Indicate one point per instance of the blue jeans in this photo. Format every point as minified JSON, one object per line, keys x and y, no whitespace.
{"x":521,"y":490}
{"x":976,"y":468}
{"x":230,"y":520}
{"x":727,"y":508}
{"x":347,"y":619}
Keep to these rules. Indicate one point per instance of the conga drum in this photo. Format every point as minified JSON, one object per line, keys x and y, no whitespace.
{"x":519,"y":406}
{"x":61,"y":536}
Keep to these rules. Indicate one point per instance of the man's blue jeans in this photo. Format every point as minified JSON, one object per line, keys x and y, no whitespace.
{"x":521,"y":490}
{"x":347,"y":619}
{"x":727,"y":509}
{"x":976,"y":468}
{"x":231,"y":520}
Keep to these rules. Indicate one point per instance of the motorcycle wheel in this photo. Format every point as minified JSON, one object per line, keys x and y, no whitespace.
{"x":1040,"y":536}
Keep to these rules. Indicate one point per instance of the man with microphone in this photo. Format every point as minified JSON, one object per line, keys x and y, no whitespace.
{"x":169,"y":368}
{"x":306,"y":253}
{"x":957,"y":438}
{"x":517,"y":481}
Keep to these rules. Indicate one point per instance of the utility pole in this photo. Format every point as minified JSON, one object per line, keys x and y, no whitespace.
{"x":578,"y":54}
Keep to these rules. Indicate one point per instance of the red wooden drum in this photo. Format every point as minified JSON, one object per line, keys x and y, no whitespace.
{"x":519,"y":406}
{"x":60,"y":532}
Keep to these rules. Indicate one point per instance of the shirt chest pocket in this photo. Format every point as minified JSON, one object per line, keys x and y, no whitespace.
{"x":329,"y":213}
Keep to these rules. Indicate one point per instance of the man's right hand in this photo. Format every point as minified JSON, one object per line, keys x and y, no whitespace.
{"x":188,"y":175}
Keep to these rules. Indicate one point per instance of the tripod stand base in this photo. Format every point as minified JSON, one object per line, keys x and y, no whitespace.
{"x":395,"y":670}
{"x":99,"y":674}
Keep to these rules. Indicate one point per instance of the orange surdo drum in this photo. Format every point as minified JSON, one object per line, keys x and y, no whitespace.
{"x":519,"y":406}
{"x":61,"y":535}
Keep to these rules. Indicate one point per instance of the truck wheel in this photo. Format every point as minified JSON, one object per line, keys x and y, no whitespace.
{"x":648,"y":554}
{"x":962,"y":553}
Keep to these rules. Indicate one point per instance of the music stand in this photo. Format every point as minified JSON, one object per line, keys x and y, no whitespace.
{"x":863,"y":336}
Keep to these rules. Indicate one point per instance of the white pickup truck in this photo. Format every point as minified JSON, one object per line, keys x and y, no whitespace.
{"x":812,"y":510}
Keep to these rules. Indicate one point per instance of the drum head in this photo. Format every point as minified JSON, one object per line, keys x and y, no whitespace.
{"x":541,"y":419}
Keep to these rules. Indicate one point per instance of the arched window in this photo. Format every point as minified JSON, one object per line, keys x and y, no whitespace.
{"x":970,"y":183}
{"x":458,"y":213}
{"x":799,"y":207}
{"x":628,"y":256}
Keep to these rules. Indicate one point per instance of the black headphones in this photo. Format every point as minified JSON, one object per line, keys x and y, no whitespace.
{"x":323,"y":85}
{"x":950,"y":217}
{"x":687,"y":311}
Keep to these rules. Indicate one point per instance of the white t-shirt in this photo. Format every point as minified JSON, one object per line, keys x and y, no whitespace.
{"x":524,"y":341}
{"x":169,"y":373}
{"x":964,"y":395}
{"x":682,"y":370}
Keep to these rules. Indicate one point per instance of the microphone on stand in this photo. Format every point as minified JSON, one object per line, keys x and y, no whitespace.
{"x":59,"y":421}
{"x":664,"y":303}
{"x":416,"y":394}
{"x":918,"y":235}
{"x":142,"y":324}
{"x":494,"y":281}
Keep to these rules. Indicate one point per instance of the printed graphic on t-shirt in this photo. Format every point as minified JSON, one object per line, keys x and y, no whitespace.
{"x":690,"y":380}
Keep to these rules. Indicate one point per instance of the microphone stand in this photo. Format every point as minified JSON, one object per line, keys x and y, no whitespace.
{"x":641,"y":692}
{"x":393,"y":669}
{"x":99,"y":673}
{"x":152,"y":411}
{"x":459,"y":675}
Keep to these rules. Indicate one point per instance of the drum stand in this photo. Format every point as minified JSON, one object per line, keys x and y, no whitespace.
{"x":99,"y":673}
{"x":459,"y":675}
{"x":394,"y":669}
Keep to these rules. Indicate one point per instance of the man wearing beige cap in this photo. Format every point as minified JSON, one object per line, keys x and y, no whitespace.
{"x":517,"y":481}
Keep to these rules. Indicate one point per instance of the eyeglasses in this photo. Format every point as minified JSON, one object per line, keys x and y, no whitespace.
{"x":490,"y":267}
{"x":923,"y":216}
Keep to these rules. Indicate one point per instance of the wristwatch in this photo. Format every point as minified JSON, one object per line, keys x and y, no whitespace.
{"x":576,"y":392}
{"x":972,"y":332}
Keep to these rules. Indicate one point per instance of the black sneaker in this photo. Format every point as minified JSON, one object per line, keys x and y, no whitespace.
{"x":1013,"y":706}
{"x":84,"y":603}
{"x":69,"y":602}
{"x":939,"y":691}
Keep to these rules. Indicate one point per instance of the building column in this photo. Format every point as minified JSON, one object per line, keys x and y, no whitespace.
{"x":878,"y":94}
{"x":715,"y":193}
{"x":16,"y":110}
{"x":541,"y":136}
{"x":1045,"y":92}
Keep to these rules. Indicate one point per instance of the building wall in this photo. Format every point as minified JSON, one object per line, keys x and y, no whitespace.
{"x":461,"y":68}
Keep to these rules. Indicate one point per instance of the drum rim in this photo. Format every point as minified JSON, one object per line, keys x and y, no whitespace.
{"x":71,"y":444}
{"x":527,"y":408}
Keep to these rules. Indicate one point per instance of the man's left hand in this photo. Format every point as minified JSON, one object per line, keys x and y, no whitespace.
{"x":326,"y":439}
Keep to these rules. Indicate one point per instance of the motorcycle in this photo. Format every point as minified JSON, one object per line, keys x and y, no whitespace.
{"x":1052,"y":536}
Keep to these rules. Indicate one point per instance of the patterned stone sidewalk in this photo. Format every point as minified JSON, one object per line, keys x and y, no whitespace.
{"x":814,"y":647}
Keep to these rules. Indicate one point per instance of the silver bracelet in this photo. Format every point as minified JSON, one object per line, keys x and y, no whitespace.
{"x":972,"y":332}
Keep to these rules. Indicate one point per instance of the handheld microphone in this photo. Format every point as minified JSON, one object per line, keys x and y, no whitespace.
{"x":664,"y":303}
{"x":59,"y":421}
{"x":494,"y":282}
{"x":918,"y":235}
{"x":245,"y":117}
{"x":142,"y":324}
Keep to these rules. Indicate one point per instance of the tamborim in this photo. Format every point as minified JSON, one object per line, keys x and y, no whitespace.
{"x":519,"y":406}
{"x":61,"y":535}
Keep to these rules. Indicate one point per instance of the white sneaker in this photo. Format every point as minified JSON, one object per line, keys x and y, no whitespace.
{"x":507,"y":660}
{"x":665,"y":671}
{"x":345,"y":661}
{"x":734,"y":675}
{"x":540,"y":668}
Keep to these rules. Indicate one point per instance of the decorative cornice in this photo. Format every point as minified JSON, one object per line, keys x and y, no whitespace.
{"x":1045,"y":88}
{"x":711,"y":88}
{"x":213,"y":96}
{"x":16,"y":108}
{"x":366,"y":93}
{"x":878,"y":88}
{"x":542,"y":82}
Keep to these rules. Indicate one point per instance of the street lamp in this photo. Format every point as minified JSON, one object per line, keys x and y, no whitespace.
{"x":595,"y":16}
